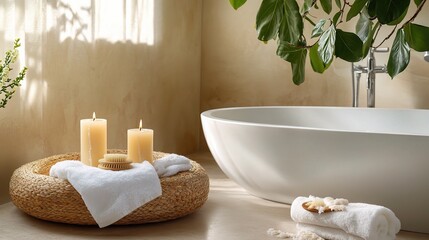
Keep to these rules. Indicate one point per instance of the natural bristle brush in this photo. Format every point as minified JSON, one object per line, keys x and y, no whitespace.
{"x":115,"y":162}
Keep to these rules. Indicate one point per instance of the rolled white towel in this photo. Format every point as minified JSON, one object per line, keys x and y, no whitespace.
{"x":365,"y":221}
{"x":326,"y":232}
{"x":171,"y":165}
{"x":110,"y":195}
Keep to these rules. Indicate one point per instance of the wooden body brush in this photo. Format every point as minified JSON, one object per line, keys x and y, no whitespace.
{"x":115,"y":162}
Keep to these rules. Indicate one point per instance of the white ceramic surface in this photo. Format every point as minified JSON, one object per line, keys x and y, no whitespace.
{"x":377,"y":156}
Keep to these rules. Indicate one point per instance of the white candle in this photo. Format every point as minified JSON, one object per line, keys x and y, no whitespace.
{"x":93,"y":140}
{"x":140,"y":144}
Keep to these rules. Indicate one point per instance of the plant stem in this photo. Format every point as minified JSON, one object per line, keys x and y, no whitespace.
{"x":388,"y":36}
{"x":309,"y":20}
{"x":342,"y":12}
{"x":378,"y":26}
{"x":419,"y":8}
{"x":304,"y":15}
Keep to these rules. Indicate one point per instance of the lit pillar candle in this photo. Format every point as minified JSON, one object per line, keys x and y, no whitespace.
{"x":140,"y":144}
{"x":93,"y":140}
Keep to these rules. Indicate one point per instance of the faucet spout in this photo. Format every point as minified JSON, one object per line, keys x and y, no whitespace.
{"x":371,"y":79}
{"x":356,"y":74}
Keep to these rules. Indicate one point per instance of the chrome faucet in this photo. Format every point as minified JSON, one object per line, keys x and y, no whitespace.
{"x":371,"y":69}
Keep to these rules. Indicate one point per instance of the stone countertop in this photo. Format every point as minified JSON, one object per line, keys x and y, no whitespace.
{"x":229,"y":213}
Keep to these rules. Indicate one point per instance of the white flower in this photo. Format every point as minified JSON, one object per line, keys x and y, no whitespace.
{"x":341,"y":201}
{"x":328,"y":201}
{"x":337,"y":208}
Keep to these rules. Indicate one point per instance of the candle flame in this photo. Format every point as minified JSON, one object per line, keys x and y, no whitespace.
{"x":140,"y":125}
{"x":93,"y":116}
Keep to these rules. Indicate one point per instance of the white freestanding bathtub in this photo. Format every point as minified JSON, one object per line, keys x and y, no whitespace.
{"x":378,"y":156}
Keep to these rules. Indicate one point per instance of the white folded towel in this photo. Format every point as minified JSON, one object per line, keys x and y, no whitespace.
{"x":110,"y":195}
{"x":171,"y":165}
{"x":359,"y":220}
{"x":326,"y":232}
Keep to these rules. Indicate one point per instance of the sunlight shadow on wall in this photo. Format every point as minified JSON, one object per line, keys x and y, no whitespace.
{"x":89,"y":20}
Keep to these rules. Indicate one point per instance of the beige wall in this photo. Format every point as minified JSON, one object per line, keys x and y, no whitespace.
{"x":122,"y":80}
{"x":239,"y":70}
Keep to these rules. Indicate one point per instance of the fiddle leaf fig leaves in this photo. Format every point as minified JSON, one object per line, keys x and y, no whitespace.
{"x":326,"y":47}
{"x":389,"y":10}
{"x":296,"y":56}
{"x":284,"y":20}
{"x":291,"y":26}
{"x":399,"y":55}
{"x":348,"y":46}
{"x":289,"y":52}
{"x":298,"y":70}
{"x":237,"y":3}
{"x":417,"y":36}
{"x":269,"y":18}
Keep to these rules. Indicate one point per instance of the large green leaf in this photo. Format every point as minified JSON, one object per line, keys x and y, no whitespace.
{"x":390,"y":10}
{"x":316,"y":62}
{"x":269,"y":18}
{"x":326,"y":5}
{"x":348,"y":46}
{"x":363,"y":25}
{"x":326,"y":47}
{"x":399,"y":19}
{"x":417,"y":36}
{"x":237,"y":3}
{"x":298,"y":68}
{"x":355,"y":9}
{"x":291,"y":26}
{"x":318,"y":29}
{"x":296,"y":55}
{"x":289,"y":52}
{"x":365,"y":31}
{"x":368,"y":42}
{"x":399,"y":55}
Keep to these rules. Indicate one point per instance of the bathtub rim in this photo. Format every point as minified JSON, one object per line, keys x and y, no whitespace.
{"x":209,"y":115}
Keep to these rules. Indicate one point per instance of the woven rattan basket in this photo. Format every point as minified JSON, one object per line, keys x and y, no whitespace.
{"x":33,"y":191}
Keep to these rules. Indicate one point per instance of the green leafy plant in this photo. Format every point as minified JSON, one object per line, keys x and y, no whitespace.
{"x":283,"y":21}
{"x":8,"y":85}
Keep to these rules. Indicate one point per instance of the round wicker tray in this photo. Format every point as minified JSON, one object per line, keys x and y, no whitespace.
{"x":36,"y":193}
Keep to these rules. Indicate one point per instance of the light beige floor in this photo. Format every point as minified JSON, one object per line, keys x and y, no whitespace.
{"x":229,"y":213}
